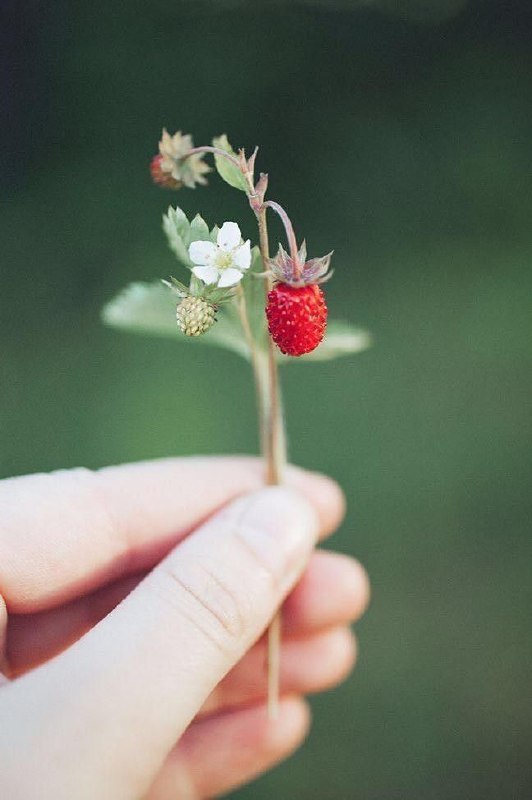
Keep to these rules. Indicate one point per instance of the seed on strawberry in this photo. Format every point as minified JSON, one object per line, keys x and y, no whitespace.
{"x":195,"y":316}
{"x":297,"y":317}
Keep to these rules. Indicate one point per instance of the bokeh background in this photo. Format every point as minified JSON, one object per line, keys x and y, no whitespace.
{"x":398,"y":133}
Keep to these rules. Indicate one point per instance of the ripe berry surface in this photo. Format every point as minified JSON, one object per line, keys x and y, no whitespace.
{"x":297,"y":317}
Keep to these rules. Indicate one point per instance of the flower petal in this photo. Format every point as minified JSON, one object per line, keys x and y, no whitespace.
{"x":206,"y":274}
{"x":230,"y":277}
{"x":242,"y":256}
{"x":202,"y":253}
{"x":229,"y":236}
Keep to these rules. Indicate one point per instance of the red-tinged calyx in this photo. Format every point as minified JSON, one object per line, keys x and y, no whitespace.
{"x":297,"y":317}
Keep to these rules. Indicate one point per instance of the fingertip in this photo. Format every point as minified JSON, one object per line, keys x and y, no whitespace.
{"x":333,"y":590}
{"x":223,"y":751}
{"x":324,"y":493}
{"x":347,"y":654}
{"x":343,"y":651}
{"x":292,"y":725}
{"x":351,"y":583}
{"x":364,"y":589}
{"x":279,"y":737}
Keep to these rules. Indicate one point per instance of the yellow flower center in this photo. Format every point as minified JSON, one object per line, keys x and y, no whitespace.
{"x":223,"y":260}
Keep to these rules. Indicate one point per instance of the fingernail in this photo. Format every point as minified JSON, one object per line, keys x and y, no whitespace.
{"x":281,"y":528}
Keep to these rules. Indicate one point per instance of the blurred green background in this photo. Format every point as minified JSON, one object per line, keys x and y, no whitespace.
{"x":400,"y":135}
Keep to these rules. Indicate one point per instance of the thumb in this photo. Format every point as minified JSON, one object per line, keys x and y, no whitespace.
{"x":113,"y":705}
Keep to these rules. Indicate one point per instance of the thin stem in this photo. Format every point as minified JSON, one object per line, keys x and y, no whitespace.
{"x":256,"y":362}
{"x":244,"y":319}
{"x":217,"y":151}
{"x":272,"y":436}
{"x":276,"y":460}
{"x":275,"y":456}
{"x":290,"y":235}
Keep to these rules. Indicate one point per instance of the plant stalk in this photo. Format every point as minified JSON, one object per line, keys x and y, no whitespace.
{"x":269,"y":406}
{"x":290,"y":235}
{"x":272,"y":442}
{"x":217,"y":151}
{"x":257,"y":364}
{"x":272,"y":425}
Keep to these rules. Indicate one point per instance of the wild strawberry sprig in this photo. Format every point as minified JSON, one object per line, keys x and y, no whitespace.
{"x":265,"y":309}
{"x":294,"y":312}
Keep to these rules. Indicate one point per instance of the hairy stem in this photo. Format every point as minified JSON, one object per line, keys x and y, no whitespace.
{"x":277,"y":449}
{"x":217,"y":151}
{"x":257,"y":360}
{"x":290,"y":235}
{"x":265,"y":370}
{"x":275,"y":456}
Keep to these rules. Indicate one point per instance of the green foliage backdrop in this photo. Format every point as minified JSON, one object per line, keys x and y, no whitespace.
{"x":405,"y":146}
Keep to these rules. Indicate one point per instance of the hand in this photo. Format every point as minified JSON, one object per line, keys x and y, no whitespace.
{"x":136,"y":598}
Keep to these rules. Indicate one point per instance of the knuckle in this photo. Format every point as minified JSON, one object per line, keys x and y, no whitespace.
{"x":214,"y":607}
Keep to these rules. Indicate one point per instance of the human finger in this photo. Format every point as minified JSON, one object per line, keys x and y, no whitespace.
{"x":67,"y":533}
{"x":220,"y":753}
{"x":33,"y":639}
{"x":308,"y":665}
{"x":334,"y":589}
{"x":152,"y":662}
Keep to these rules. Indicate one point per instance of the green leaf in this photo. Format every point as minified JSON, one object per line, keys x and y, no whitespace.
{"x":230,"y":173}
{"x":143,"y":307}
{"x":199,"y":230}
{"x":149,"y":308}
{"x":180,"y":222}
{"x":177,"y":229}
{"x":180,"y":233}
{"x":341,"y":339}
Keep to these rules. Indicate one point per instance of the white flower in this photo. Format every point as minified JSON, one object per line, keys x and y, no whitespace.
{"x":222,"y":263}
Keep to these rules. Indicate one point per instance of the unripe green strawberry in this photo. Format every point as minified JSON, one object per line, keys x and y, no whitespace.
{"x":195,"y":316}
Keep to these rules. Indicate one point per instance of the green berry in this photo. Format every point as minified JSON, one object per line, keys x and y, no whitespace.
{"x":195,"y":316}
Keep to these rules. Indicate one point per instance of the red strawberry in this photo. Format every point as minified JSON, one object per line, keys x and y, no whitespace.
{"x":296,"y":310}
{"x":297,"y":317}
{"x":160,"y":176}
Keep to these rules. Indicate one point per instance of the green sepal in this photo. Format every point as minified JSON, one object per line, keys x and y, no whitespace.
{"x":211,"y":293}
{"x":228,"y":171}
{"x":176,"y":286}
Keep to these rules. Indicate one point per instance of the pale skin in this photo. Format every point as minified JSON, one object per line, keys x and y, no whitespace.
{"x":133,"y":603}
